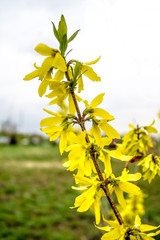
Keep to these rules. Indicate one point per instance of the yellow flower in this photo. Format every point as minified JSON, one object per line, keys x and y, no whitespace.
{"x":139,"y":230}
{"x":90,"y":197}
{"x":93,"y":111}
{"x":115,"y":232}
{"x":58,"y":93}
{"x":124,"y":232}
{"x":151,"y":167}
{"x":137,"y":141}
{"x":58,"y":126}
{"x":88,"y":72}
{"x":79,"y":155}
{"x":54,"y":60}
{"x":121,"y":184}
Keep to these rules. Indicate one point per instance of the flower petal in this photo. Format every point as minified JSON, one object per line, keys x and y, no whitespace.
{"x":52,"y":113}
{"x":97,"y":210}
{"x":72,"y":108}
{"x":120,"y":156}
{"x":88,"y":72}
{"x":80,"y":84}
{"x":129,"y":187}
{"x":47,"y":64}
{"x":97,"y":135}
{"x":59,"y":62}
{"x":59,"y":75}
{"x":32,"y":75}
{"x":109,"y":130}
{"x":120,"y":197}
{"x":146,"y":228}
{"x":97,"y":100}
{"x":137,"y":221}
{"x":85,"y":205}
{"x":42,"y":87}
{"x":107,"y":163}
{"x":63,"y":142}
{"x":93,"y":62}
{"x":44,"y":50}
{"x":112,"y":235}
{"x":99,"y":112}
{"x":50,"y":121}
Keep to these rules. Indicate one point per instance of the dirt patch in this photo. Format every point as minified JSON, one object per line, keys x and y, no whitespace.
{"x":33,"y":164}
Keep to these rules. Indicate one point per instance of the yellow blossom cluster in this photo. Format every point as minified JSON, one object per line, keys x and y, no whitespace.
{"x":150,"y":167}
{"x":137,"y":143}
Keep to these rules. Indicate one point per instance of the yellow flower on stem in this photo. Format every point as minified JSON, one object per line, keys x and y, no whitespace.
{"x":54,"y":60}
{"x":99,"y":124}
{"x":125,"y":232}
{"x":58,"y":126}
{"x":79,"y":155}
{"x":93,"y":111}
{"x":137,"y":141}
{"x":58,"y":93}
{"x":90,"y":197}
{"x":122,"y":184}
{"x":86,"y":70}
{"x":115,"y":232}
{"x":151,"y":167}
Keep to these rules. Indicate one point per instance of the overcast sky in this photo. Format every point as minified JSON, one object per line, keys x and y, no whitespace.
{"x":126,"y":34}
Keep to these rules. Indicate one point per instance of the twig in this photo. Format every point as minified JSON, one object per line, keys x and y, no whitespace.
{"x":94,"y":158}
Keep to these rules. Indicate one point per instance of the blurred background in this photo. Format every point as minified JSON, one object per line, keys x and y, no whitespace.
{"x":35,"y":191}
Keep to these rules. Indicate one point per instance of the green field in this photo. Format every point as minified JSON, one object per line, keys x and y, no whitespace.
{"x":35,"y":196}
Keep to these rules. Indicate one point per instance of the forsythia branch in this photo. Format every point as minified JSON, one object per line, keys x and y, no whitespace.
{"x":103,"y":186}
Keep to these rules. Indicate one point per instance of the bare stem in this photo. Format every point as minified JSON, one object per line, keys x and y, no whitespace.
{"x":133,"y":160}
{"x":94,"y":158}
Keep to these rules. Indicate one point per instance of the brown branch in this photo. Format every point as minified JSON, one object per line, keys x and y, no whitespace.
{"x":106,"y":190}
{"x":94,"y":158}
{"x":133,"y":160}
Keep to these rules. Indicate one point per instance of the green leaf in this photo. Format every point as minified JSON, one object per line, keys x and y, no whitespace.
{"x":77,"y":69}
{"x":62,"y":28}
{"x":63,"y":44}
{"x":55,"y":32}
{"x":69,"y":51}
{"x":72,"y":71}
{"x":73,"y":36}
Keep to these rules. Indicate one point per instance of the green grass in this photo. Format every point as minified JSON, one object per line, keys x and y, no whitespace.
{"x":35,"y":201}
{"x":30,"y":152}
